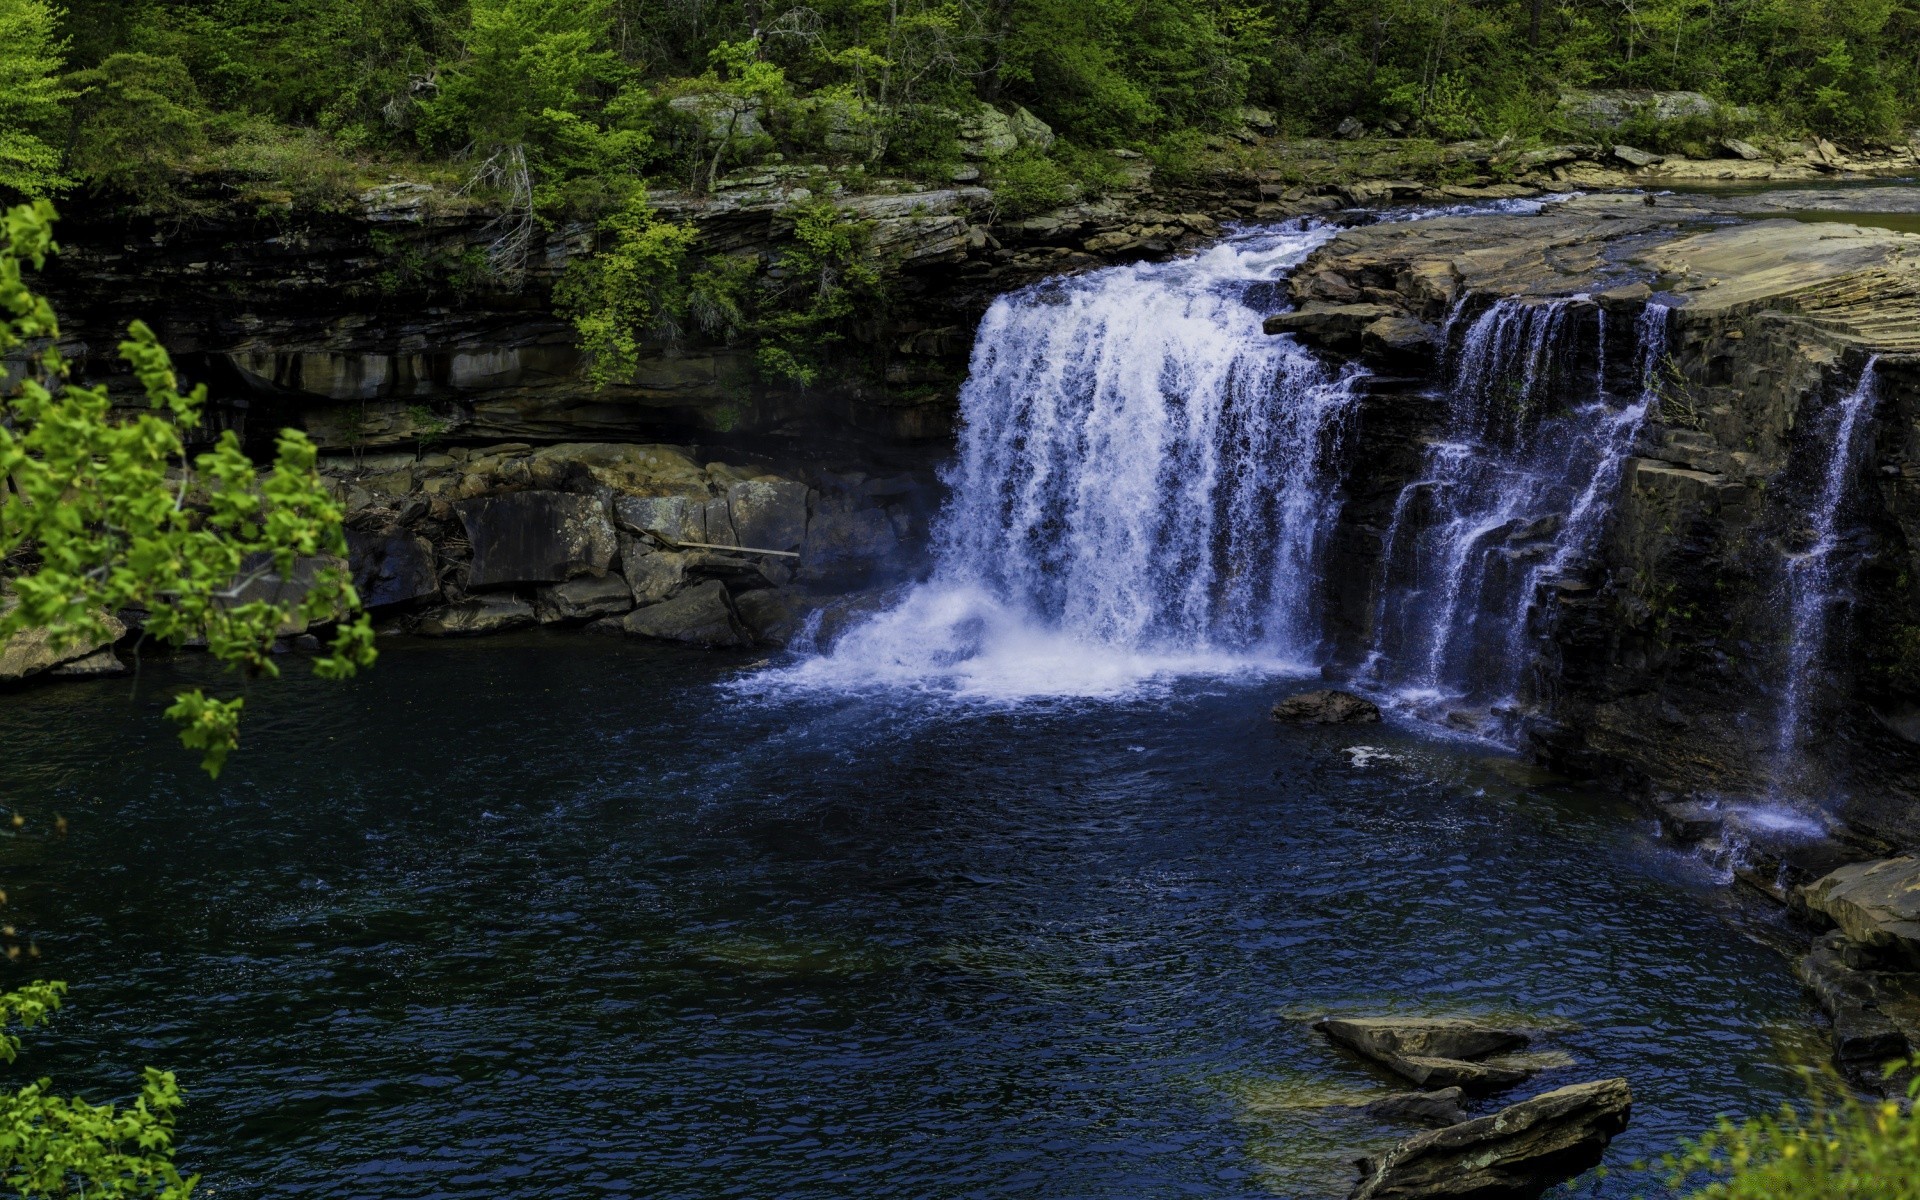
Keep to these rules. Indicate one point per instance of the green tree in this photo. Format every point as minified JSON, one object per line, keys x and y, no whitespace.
{"x":31,"y":97}
{"x":100,"y":514}
{"x":136,"y":118}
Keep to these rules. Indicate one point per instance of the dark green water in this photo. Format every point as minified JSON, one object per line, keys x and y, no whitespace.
{"x":559,"y":917}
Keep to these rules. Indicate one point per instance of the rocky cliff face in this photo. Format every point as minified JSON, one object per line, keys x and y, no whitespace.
{"x":1668,"y":659}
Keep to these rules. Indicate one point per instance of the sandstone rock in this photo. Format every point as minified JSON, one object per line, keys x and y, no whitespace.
{"x":986,"y":134}
{"x":1520,"y":1151}
{"x":1030,"y":131}
{"x":583,"y":599}
{"x":719,"y":115}
{"x":845,"y":530}
{"x":1338,"y":326}
{"x":1351,"y":128}
{"x":768,"y":515}
{"x":699,"y":616}
{"x":536,"y":537}
{"x":1876,"y":904}
{"x":32,"y":651}
{"x":1636,"y":157}
{"x":394,"y":568}
{"x":1443,"y":1107}
{"x":1609,"y":108}
{"x":769,"y":616}
{"x":1328,"y":707}
{"x":652,"y":574}
{"x":1740,"y":149}
{"x":101,"y":664}
{"x":1399,"y":336}
{"x":476,"y":615}
{"x":676,"y":518}
{"x":1876,"y":1012}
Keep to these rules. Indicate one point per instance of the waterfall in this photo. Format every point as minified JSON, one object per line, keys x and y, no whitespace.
{"x":1513,"y":492}
{"x":1142,"y":488}
{"x":1814,"y":585}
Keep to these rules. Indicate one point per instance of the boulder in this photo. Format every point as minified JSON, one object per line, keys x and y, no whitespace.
{"x":676,"y":518}
{"x":1351,"y":128}
{"x":1337,"y":326}
{"x":699,"y":616}
{"x":32,"y":651}
{"x":1030,"y":131}
{"x":1633,"y":156}
{"x":1876,"y":904}
{"x":583,"y":599}
{"x":719,"y":116}
{"x":1740,"y":149}
{"x":1327,"y":707}
{"x":476,"y":615}
{"x":1520,"y":1151}
{"x":536,"y":537}
{"x":392,"y":568}
{"x":652,"y":574}
{"x":768,"y":514}
{"x":1444,"y":1107}
{"x":259,"y":583}
{"x":767,"y":613}
{"x":844,"y":529}
{"x":986,"y":134}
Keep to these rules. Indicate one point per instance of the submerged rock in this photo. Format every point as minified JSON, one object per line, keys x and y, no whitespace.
{"x":1443,"y":1107}
{"x":1520,"y":1151}
{"x":1436,"y":1072}
{"x":1326,"y":708}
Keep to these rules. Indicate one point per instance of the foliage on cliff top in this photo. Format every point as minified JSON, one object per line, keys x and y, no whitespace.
{"x":101,"y":513}
{"x":649,"y":87}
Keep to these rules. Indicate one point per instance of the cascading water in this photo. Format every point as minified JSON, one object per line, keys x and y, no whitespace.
{"x":1814,"y":582}
{"x":1513,"y":492}
{"x":1142,"y":488}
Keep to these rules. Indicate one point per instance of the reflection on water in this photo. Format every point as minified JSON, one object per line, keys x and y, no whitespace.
{"x":553,"y":916}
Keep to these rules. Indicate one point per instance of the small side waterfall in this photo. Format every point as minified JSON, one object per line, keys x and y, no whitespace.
{"x":1142,"y":488}
{"x":1514,"y":492}
{"x":1815,"y":582}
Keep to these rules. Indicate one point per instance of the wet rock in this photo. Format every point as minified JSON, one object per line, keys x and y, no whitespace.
{"x":1447,"y":1037}
{"x":583,"y":599}
{"x":476,"y":615}
{"x":676,"y":518}
{"x":1876,"y":904}
{"x":1520,"y":1151}
{"x":393,"y":568}
{"x":1876,"y":1013}
{"x":1337,"y":326}
{"x":1437,"y":1072}
{"x":699,"y":616}
{"x":101,"y":664}
{"x":1444,"y":1107}
{"x":536,"y":537}
{"x":1327,"y":708}
{"x":768,"y":615}
{"x":845,"y":530}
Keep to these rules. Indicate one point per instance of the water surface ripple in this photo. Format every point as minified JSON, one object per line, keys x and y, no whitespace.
{"x":546,"y":916}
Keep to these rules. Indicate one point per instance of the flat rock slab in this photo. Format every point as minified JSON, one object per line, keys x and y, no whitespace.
{"x":1520,"y":1151}
{"x":1326,"y":708}
{"x":476,"y":615}
{"x":1438,"y":1037}
{"x":1434,"y":1072}
{"x":1876,"y":904}
{"x":536,"y":537}
{"x":583,"y":599}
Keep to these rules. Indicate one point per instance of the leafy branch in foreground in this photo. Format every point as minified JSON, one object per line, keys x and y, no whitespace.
{"x":57,"y":1146}
{"x":1839,"y":1148}
{"x":101,"y":513}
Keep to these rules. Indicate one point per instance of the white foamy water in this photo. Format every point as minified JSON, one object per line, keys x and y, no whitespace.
{"x":1141,"y":492}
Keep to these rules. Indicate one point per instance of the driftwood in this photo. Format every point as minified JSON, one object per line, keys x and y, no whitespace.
{"x":670,"y":544}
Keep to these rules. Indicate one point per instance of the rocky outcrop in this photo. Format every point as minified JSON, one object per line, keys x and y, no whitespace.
{"x":1660,"y":660}
{"x":34,"y":651}
{"x":1326,"y":708}
{"x":1875,"y":904}
{"x":645,"y":539}
{"x":1520,"y":1151}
